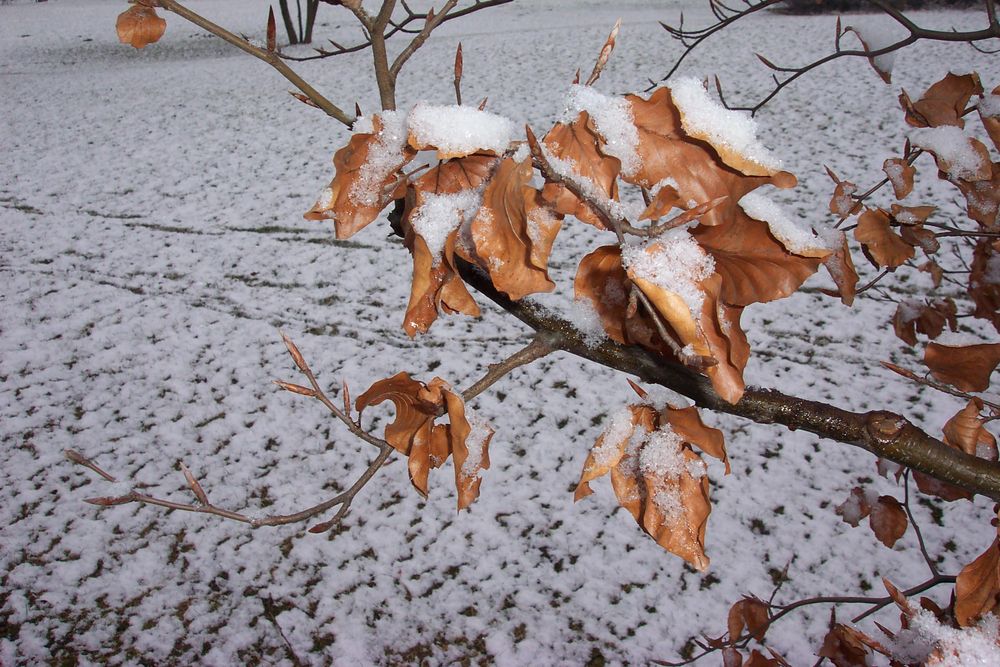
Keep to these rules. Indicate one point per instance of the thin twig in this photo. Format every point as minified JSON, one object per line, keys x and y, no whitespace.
{"x":536,"y":349}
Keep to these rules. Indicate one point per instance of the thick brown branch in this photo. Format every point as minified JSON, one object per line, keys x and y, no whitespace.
{"x":882,"y":433}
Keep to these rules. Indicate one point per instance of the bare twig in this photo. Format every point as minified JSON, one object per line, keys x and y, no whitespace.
{"x":533,"y":351}
{"x":270,"y":57}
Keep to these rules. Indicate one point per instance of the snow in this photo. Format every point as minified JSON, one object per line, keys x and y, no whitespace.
{"x":977,"y":646}
{"x":151,"y":246}
{"x":951,"y":145}
{"x":875,"y":36}
{"x":457,"y":130}
{"x":989,"y":105}
{"x":796,"y":237}
{"x":613,"y":118}
{"x":674,"y":262}
{"x":476,"y":443}
{"x":385,"y":155}
{"x":440,"y":215}
{"x":735,"y":130}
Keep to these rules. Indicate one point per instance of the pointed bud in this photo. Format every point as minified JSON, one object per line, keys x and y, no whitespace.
{"x":109,"y":501}
{"x":482,"y":105}
{"x":347,"y":399}
{"x":294,"y":351}
{"x":195,"y":486}
{"x":637,"y":389}
{"x":302,"y":98}
{"x":272,"y":35}
{"x":602,"y":59}
{"x":296,"y":388}
{"x":458,"y":74}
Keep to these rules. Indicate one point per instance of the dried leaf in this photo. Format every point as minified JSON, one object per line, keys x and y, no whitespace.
{"x":935,"y":270}
{"x":929,"y":319}
{"x":991,"y":122}
{"x":855,"y":508}
{"x":887,"y":520}
{"x":610,"y":446}
{"x":840,"y":265}
{"x":843,"y":647}
{"x":900,"y":174}
{"x":694,"y":168}
{"x":139,"y":25}
{"x":750,"y":613}
{"x":977,"y":588}
{"x":884,"y":246}
{"x":966,"y":367}
{"x":470,"y":449}
{"x":365,"y":168}
{"x":601,"y":281}
{"x":982,"y":197}
{"x":881,"y":65}
{"x":944,"y":102}
{"x":513,"y":232}
{"x":686,"y":422}
{"x":577,"y":144}
{"x":983,"y":288}
{"x":966,"y":431}
{"x":842,"y":204}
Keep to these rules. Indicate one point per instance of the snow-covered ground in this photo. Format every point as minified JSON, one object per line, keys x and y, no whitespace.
{"x":152,"y":244}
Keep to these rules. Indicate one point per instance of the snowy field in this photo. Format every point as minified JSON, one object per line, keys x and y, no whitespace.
{"x":152,"y":244}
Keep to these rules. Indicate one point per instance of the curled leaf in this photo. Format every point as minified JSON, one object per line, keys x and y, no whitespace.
{"x":977,"y":587}
{"x":966,"y":367}
{"x":943,"y":103}
{"x":887,"y":520}
{"x":139,"y":25}
{"x":900,"y":174}
{"x":966,"y":431}
{"x":884,"y":246}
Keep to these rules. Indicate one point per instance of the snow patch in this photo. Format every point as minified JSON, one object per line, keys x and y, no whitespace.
{"x":613,"y":118}
{"x":440,"y":215}
{"x":796,"y":237}
{"x":673,"y":262}
{"x":950,"y":144}
{"x":385,"y":155}
{"x":459,"y":130}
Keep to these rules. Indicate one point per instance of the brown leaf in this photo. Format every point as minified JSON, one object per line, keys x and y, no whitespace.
{"x":368,"y":166}
{"x":513,"y":232}
{"x":436,"y":287}
{"x":991,"y":121}
{"x":686,"y":422}
{"x":410,"y":431}
{"x":843,"y":647}
{"x":917,"y":235}
{"x":954,"y":163}
{"x":934,"y":269}
{"x":884,"y":246}
{"x":977,"y":588}
{"x":855,"y":508}
{"x":696,"y":170}
{"x":900,"y":174}
{"x":932,"y":486}
{"x":139,"y":25}
{"x":840,"y":265}
{"x":841,"y":203}
{"x":984,"y":288}
{"x":750,"y":613}
{"x":944,"y":102}
{"x":887,"y":520}
{"x":577,"y":144}
{"x":966,"y":431}
{"x":601,"y":281}
{"x":928,"y":318}
{"x":982,"y":197}
{"x":966,"y":367}
{"x":470,"y":449}
{"x":610,"y":446}
{"x":755,"y":267}
{"x":881,"y":65}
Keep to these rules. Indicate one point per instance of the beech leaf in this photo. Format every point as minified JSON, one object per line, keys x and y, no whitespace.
{"x":966,"y":431}
{"x":944,"y":102}
{"x":750,"y":613}
{"x":887,"y":520}
{"x":966,"y":367}
{"x":900,"y":174}
{"x":977,"y":587}
{"x":139,"y":25}
{"x":884,"y":246}
{"x":840,"y":265}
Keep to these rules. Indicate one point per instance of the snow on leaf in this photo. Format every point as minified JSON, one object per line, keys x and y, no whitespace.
{"x":982,"y":197}
{"x":966,"y":431}
{"x":365,"y":171}
{"x":513,"y":232}
{"x":900,"y":174}
{"x":139,"y":26}
{"x":855,"y":508}
{"x":755,"y":266}
{"x":887,"y":520}
{"x":612,"y":118}
{"x":966,"y":367}
{"x":797,"y":238}
{"x":840,"y":265}
{"x":686,"y":423}
{"x":874,"y":38}
{"x":469,"y":437}
{"x":977,"y":587}
{"x":943,"y":103}
{"x":610,"y":446}
{"x":884,"y":247}
{"x":457,"y":131}
{"x":841,"y":203}
{"x":957,"y":154}
{"x":601,"y":280}
{"x":575,"y":148}
{"x":694,"y":169}
{"x":984,"y":281}
{"x":929,"y":318}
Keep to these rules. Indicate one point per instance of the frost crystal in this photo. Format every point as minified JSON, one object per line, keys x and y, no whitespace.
{"x":674,"y":262}
{"x":613,"y":118}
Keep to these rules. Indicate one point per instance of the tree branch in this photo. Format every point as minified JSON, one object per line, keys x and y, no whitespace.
{"x":270,"y":57}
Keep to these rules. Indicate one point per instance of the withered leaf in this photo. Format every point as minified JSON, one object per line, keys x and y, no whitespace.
{"x":977,"y":588}
{"x":750,"y":613}
{"x":610,"y":446}
{"x":884,"y":246}
{"x":900,"y":174}
{"x":686,"y":423}
{"x":843,"y":647}
{"x":991,"y":121}
{"x":139,"y":25}
{"x":966,"y":431}
{"x":855,"y":508}
{"x":887,"y":520}
{"x":694,"y":168}
{"x":577,"y":143}
{"x":840,"y":265}
{"x":436,"y":287}
{"x":755,"y":267}
{"x":470,"y":449}
{"x":928,"y":318}
{"x":601,"y":281}
{"x":513,"y":232}
{"x":841,"y":203}
{"x":966,"y":367}
{"x":366,"y":169}
{"x":943,"y":103}
{"x":881,"y":65}
{"x":983,"y":287}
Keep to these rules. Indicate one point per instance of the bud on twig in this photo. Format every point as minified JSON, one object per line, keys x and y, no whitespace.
{"x":109,"y":501}
{"x":272,"y":38}
{"x":195,"y":486}
{"x":602,"y":59}
{"x":296,"y":388}
{"x":347,"y":399}
{"x":302,"y":98}
{"x":296,"y":355}
{"x":458,"y":74}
